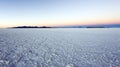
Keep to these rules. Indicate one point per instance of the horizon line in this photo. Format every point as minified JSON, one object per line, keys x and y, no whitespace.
{"x":61,"y":25}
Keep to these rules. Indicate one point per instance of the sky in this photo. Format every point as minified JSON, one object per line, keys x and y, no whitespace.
{"x":58,"y":12}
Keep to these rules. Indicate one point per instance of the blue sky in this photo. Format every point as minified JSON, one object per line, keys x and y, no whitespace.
{"x":58,"y":12}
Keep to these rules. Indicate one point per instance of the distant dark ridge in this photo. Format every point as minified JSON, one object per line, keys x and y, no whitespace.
{"x":82,"y":26}
{"x":94,"y":26}
{"x":32,"y":27}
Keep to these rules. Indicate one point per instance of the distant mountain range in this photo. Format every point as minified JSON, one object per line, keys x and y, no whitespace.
{"x":79,"y":26}
{"x":94,"y":26}
{"x":32,"y":27}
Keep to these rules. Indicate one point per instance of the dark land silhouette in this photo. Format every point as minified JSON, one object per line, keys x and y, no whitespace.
{"x":77,"y":26}
{"x":32,"y":27}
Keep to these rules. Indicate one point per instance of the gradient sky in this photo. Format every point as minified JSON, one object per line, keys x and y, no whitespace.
{"x":58,"y":12}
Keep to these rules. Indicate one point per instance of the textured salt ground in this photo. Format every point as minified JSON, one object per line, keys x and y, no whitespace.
{"x":60,"y":47}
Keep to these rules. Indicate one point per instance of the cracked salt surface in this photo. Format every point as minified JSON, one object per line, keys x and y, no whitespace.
{"x":60,"y":47}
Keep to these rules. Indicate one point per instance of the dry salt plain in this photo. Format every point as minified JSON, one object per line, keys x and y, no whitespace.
{"x":73,"y":47}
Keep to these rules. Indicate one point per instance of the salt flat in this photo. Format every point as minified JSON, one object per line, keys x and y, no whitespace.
{"x":73,"y":47}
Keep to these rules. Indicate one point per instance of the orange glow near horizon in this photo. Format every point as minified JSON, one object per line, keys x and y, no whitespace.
{"x":90,"y":21}
{"x":60,"y":23}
